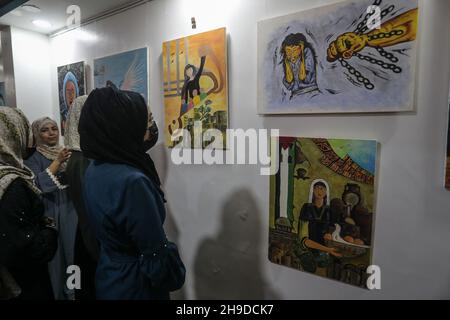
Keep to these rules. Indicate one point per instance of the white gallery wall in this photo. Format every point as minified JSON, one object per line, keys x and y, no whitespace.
{"x":32,"y":73}
{"x":219,"y":214}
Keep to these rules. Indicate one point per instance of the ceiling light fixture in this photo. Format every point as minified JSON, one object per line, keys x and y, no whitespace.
{"x":42,"y":24}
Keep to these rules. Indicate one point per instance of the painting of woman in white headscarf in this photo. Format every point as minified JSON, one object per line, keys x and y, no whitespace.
{"x":322,"y":206}
{"x":71,"y":84}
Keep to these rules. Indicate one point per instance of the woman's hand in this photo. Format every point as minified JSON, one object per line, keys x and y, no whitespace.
{"x":63,"y":156}
{"x":289,"y":76}
{"x":204,"y":50}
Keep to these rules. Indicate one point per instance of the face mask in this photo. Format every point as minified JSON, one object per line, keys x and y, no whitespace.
{"x":150,"y":143}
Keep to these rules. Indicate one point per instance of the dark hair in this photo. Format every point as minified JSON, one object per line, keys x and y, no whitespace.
{"x":320,"y":184}
{"x":295,"y":39}
{"x":194,"y":70}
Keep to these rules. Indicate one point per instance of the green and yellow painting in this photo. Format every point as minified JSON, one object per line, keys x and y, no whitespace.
{"x":322,"y":207}
{"x":195,"y":86}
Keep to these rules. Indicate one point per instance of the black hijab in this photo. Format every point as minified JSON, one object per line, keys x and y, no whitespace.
{"x":112,"y":127}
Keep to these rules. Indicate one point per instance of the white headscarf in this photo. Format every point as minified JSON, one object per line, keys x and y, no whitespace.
{"x":50,"y":152}
{"x":311,"y":190}
{"x":14,"y":137}
{"x":72,"y":137}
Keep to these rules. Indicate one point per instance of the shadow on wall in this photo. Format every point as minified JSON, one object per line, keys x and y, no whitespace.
{"x":159,"y":156}
{"x":229,"y":265}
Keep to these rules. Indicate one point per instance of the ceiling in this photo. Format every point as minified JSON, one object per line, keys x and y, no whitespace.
{"x":54,"y":11}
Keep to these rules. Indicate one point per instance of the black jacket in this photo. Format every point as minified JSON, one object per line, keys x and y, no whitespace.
{"x":27,"y":244}
{"x":76,"y":167}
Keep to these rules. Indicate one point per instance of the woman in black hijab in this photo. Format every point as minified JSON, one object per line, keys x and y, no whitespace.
{"x":112,"y":129}
{"x":124,"y":201}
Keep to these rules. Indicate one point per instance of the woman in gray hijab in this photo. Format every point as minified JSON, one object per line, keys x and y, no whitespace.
{"x":49,"y":164}
{"x":27,"y":239}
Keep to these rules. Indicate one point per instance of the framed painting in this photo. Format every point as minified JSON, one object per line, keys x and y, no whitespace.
{"x":196,"y":87}
{"x":350,"y":57}
{"x":322,"y":207}
{"x":71,"y":84}
{"x":125,"y":71}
